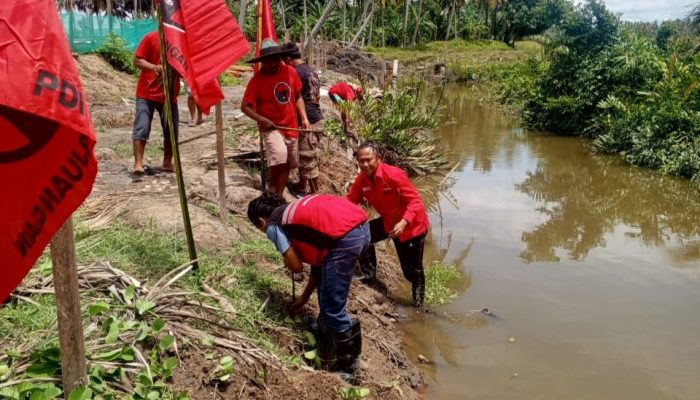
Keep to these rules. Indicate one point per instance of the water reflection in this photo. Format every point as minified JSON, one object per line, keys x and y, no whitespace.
{"x":583,"y":197}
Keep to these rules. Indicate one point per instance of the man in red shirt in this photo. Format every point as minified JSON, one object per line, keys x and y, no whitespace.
{"x":273,"y":99}
{"x":329,"y":233}
{"x":402,"y":216}
{"x":150,"y":96}
{"x":344,"y":92}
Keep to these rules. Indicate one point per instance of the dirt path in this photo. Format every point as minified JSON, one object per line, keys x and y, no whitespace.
{"x":153,"y":199}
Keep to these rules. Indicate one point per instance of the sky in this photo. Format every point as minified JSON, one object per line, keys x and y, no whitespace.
{"x":651,"y":10}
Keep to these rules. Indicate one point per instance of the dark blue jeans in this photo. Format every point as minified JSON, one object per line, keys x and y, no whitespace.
{"x":336,"y":277}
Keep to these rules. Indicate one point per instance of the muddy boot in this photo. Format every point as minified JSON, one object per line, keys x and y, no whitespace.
{"x":418,"y":289}
{"x":348,"y":345}
{"x":366,"y":267}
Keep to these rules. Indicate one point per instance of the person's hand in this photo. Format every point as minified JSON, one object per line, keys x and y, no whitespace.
{"x":157,"y":69}
{"x":306,"y":125}
{"x":266,"y":124}
{"x":398,"y":228}
{"x":298,"y":305}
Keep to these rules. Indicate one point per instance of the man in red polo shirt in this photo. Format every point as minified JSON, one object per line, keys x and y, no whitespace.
{"x":273,"y":99}
{"x":150,"y":96}
{"x":402,"y":216}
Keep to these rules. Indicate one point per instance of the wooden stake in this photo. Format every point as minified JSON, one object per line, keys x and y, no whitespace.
{"x":223,"y":211}
{"x":70,"y":319}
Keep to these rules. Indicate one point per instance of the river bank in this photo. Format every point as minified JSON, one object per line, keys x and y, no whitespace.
{"x":233,"y":341}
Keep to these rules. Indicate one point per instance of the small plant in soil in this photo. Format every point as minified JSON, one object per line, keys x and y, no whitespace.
{"x":354,"y":393}
{"x":116,"y":52}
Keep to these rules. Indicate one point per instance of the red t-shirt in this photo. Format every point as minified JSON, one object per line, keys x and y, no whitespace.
{"x":149,"y":50}
{"x":344,"y":90}
{"x":274,"y":97}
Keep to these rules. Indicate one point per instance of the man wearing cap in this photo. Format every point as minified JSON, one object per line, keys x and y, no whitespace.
{"x":308,"y":141}
{"x":344,"y":92}
{"x":273,"y":99}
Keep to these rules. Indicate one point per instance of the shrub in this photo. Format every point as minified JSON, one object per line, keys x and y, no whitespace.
{"x":116,"y":52}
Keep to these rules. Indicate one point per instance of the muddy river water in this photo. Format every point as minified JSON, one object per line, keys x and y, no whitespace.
{"x":590,"y":267}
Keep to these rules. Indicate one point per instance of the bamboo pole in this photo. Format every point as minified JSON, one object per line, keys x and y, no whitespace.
{"x":221,"y":167}
{"x":167,"y":108}
{"x":70,"y":320}
{"x":263,"y":177}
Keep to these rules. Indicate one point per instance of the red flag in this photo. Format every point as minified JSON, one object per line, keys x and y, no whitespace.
{"x":266,"y":26}
{"x":47,"y":165}
{"x":202,"y":40}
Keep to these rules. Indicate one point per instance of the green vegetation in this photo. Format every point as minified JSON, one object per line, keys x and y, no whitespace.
{"x":116,"y":52}
{"x":134,"y":331}
{"x":399,"y":121}
{"x":632,"y":94}
{"x":230,"y":80}
{"x":438,"y":278}
{"x":354,"y":393}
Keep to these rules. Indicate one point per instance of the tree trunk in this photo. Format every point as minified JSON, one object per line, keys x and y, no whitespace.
{"x":363,"y":26}
{"x":405,"y":23}
{"x":284,"y":21}
{"x":324,"y":16}
{"x":418,"y":15}
{"x":449,"y":21}
{"x":306,"y":26}
{"x":241,"y":14}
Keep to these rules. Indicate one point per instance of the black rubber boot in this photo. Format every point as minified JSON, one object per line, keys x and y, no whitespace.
{"x":348,"y":347}
{"x":418,"y":289}
{"x":325,"y":347}
{"x":339,"y":352}
{"x":366,"y":267}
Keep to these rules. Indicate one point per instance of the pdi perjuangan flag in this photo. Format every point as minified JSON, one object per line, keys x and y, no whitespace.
{"x":202,"y":39}
{"x":47,"y":165}
{"x":266,"y":26}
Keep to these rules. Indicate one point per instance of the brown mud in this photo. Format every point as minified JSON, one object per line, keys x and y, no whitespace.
{"x":387,"y":371}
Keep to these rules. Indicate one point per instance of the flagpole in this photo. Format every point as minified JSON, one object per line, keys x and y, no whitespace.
{"x":70,"y":317}
{"x":167,"y":109}
{"x":263,"y":177}
{"x":223,"y":210}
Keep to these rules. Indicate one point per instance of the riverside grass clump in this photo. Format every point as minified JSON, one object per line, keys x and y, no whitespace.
{"x":141,"y":312}
{"x":438,"y":278}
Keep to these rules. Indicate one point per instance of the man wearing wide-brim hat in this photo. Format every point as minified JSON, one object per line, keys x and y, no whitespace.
{"x":273,"y":99}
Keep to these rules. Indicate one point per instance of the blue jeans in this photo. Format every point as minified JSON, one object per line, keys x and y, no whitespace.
{"x":336,"y":277}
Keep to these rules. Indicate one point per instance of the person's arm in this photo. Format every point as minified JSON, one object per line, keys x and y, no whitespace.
{"x":355,"y":194}
{"x":306,"y":295}
{"x":144,"y":65}
{"x":411,"y":203}
{"x":248,"y":110}
{"x":292,"y":261}
{"x":301,"y":109}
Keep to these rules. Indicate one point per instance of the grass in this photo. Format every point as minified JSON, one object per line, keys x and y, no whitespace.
{"x":230,"y":80}
{"x":154,"y":148}
{"x":438,"y":278}
{"x":23,"y":320}
{"x":473,"y":52}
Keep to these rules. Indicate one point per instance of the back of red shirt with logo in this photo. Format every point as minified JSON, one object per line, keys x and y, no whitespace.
{"x":149,"y":50}
{"x":274,"y":97}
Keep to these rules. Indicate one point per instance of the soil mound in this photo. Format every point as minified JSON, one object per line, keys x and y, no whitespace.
{"x":103,"y":84}
{"x":355,"y":62}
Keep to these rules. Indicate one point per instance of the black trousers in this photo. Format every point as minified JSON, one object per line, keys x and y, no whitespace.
{"x":410,"y":252}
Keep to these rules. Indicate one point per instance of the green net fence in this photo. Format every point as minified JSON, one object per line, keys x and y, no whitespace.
{"x":86,"y":32}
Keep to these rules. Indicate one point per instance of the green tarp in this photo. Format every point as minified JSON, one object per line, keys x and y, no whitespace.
{"x":87,"y":32}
